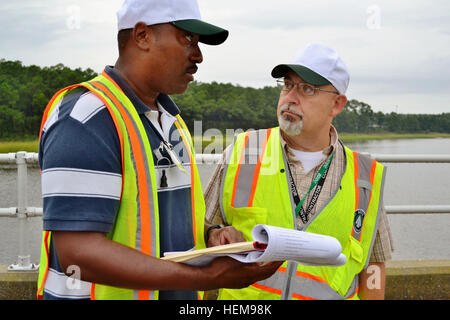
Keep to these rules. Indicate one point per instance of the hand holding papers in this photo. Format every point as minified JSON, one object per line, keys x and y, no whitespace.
{"x":271,"y":244}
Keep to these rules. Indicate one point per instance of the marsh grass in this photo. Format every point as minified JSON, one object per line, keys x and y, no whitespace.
{"x":33,"y":145}
{"x":15,"y":146}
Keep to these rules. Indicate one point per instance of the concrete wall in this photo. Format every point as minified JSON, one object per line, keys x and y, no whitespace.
{"x":412,"y":280}
{"x":17,"y":285}
{"x":418,"y":280}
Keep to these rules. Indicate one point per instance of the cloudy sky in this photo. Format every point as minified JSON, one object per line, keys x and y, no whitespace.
{"x":398,"y":52}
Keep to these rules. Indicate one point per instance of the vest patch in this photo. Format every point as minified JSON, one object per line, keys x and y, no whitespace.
{"x":358,"y":220}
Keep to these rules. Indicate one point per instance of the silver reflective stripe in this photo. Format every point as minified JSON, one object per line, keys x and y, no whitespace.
{"x":251,"y":154}
{"x":312,"y":289}
{"x":364,"y":167}
{"x":364,"y":191}
{"x":364,"y":184}
{"x":149,"y":186}
{"x":290,"y":272}
{"x":222,"y":183}
{"x":353,"y":287}
{"x":277,"y":281}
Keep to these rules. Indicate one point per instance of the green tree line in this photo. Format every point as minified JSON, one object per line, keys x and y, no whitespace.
{"x":25,"y":91}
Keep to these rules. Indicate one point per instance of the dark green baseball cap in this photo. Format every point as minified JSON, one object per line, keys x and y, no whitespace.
{"x":209,"y":34}
{"x":303,"y":72}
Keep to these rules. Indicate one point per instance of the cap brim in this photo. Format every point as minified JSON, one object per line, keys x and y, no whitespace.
{"x":209,"y":34}
{"x":303,"y":72}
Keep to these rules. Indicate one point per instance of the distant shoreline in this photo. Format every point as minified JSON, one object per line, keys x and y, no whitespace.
{"x":356,"y":137}
{"x":33,"y":145}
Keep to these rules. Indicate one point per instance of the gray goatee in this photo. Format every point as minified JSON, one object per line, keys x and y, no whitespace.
{"x":288,"y":124}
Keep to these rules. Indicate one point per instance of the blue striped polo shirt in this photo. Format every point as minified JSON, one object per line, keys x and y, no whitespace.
{"x":80,"y":158}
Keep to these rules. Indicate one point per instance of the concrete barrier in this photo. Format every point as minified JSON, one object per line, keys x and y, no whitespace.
{"x":418,"y":280}
{"x":19,"y":285}
{"x":405,"y":280}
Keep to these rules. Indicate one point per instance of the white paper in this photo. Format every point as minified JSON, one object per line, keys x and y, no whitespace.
{"x":285,"y":244}
{"x":303,"y":247}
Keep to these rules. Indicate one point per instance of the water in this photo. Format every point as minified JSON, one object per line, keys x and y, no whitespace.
{"x":421,"y":236}
{"x":415,"y":236}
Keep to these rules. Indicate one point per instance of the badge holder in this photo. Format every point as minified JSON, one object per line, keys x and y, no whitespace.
{"x":172,"y":159}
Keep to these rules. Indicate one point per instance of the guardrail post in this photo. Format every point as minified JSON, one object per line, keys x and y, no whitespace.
{"x":23,"y":262}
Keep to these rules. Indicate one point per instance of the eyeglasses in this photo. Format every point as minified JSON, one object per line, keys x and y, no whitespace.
{"x":304,"y":89}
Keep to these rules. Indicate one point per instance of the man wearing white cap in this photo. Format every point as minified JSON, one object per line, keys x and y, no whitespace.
{"x":119,"y":179}
{"x":300,"y":175}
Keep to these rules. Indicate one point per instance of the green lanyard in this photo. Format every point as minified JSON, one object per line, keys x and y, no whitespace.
{"x":318,"y":181}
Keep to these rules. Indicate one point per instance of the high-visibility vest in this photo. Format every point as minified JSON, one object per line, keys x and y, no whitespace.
{"x":255,"y":190}
{"x":139,"y":200}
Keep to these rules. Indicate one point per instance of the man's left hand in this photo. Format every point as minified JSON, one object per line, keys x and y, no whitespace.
{"x":224,"y":235}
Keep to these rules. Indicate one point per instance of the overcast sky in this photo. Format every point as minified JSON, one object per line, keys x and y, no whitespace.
{"x":398,"y":52}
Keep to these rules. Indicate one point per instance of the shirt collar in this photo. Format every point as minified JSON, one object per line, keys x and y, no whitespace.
{"x":163,"y":99}
{"x":327,"y":151}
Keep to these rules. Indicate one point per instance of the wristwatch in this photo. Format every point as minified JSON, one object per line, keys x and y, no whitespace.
{"x":216,"y":226}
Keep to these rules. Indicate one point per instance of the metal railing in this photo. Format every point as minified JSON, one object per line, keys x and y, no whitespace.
{"x":22,"y":211}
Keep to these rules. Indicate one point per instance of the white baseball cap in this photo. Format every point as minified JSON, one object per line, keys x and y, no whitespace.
{"x":183,"y":14}
{"x":317,"y":65}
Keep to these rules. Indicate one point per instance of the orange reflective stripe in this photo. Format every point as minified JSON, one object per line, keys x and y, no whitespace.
{"x":300,"y":297}
{"x":144,"y":295}
{"x":282,"y":269}
{"x":142,"y":182}
{"x":356,"y":292}
{"x":233,"y":195}
{"x":49,"y":105}
{"x":47,"y":254}
{"x":372,"y":172}
{"x":267,"y":289}
{"x":258,"y":168}
{"x":141,"y":179}
{"x":310,"y":276}
{"x":104,"y":74}
{"x":191,"y":159}
{"x":93,"y":291}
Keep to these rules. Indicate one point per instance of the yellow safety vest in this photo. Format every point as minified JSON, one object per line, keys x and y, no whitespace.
{"x":139,"y":201}
{"x":255,"y":190}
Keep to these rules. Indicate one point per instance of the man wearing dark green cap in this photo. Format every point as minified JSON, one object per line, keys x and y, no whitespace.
{"x":300,"y":175}
{"x":119,"y":179}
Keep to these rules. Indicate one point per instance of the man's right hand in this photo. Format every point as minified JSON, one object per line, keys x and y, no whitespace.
{"x":229,"y":273}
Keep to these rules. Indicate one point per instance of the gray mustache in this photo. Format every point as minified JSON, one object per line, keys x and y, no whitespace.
{"x":287,"y":107}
